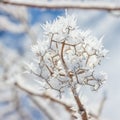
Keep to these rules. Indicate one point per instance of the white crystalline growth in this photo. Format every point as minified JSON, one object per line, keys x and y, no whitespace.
{"x":67,"y":56}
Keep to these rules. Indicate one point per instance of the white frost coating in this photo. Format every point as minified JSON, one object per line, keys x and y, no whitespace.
{"x":67,"y":56}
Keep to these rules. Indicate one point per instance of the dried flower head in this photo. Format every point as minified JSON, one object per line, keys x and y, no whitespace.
{"x":67,"y":56}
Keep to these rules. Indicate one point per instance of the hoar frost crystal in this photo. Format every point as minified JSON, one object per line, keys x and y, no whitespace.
{"x":66,"y":57}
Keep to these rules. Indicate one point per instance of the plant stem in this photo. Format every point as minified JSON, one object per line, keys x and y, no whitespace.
{"x":81,"y":109}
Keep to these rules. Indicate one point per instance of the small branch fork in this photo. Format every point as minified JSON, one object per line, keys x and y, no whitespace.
{"x":65,"y":4}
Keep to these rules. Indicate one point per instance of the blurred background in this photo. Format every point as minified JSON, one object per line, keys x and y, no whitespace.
{"x":19,"y":26}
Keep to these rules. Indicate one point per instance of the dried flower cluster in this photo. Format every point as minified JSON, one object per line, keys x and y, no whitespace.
{"x":66,"y":59}
{"x":67,"y":56}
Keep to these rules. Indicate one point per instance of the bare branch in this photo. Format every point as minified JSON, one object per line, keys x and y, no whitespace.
{"x":65,"y":4}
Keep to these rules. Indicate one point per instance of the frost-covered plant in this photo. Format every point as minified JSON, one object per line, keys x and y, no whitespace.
{"x":66,"y":59}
